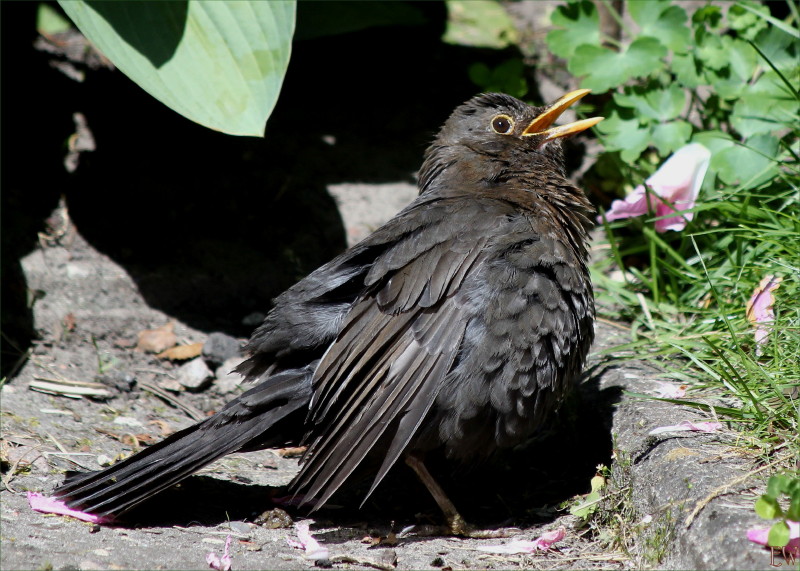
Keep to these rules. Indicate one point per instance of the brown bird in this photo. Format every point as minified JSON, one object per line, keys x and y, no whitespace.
{"x":456,"y":328}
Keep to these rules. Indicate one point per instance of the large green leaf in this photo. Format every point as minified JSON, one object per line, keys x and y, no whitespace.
{"x":220,"y":64}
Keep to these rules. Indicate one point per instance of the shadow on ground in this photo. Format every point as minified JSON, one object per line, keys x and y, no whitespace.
{"x":211,"y":226}
{"x":520,"y":487}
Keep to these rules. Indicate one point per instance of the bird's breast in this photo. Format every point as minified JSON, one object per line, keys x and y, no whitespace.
{"x":530,"y":327}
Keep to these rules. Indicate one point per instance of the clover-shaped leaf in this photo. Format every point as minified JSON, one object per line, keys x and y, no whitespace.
{"x":668,"y":137}
{"x":765,"y":107}
{"x":688,"y":71}
{"x":662,"y":21}
{"x":710,"y":49}
{"x":750,"y":163}
{"x":657,"y":104}
{"x":604,"y":69}
{"x":581,"y":25}
{"x":626,"y":136}
{"x":745,"y":22}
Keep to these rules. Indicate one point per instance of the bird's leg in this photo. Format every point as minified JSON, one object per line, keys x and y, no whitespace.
{"x":456,"y":525}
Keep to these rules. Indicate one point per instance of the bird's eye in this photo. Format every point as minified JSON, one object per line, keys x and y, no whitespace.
{"x":502,"y":124}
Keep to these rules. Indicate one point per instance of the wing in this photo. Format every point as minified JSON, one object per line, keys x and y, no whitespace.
{"x":307,"y":317}
{"x":380,"y":376}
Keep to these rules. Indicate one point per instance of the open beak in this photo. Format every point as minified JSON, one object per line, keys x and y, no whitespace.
{"x":541,"y":126}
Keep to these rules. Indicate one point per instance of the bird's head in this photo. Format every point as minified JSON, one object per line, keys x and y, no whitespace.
{"x":494,"y":137}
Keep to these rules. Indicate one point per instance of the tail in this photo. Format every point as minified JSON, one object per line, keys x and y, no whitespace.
{"x":270,"y":414}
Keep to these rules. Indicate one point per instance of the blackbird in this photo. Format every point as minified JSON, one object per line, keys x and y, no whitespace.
{"x":456,"y":328}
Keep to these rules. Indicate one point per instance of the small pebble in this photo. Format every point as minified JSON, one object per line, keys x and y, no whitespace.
{"x":220,"y":347}
{"x":128,"y":421}
{"x":227,"y":381}
{"x":239,"y":527}
{"x":194,"y":375}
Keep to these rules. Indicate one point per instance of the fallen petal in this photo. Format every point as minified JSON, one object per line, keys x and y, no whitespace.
{"x":43,"y":504}
{"x":223,"y":563}
{"x":549,"y":538}
{"x":759,"y":308}
{"x":305,"y":541}
{"x":688,"y":425}
{"x":520,"y":546}
{"x":635,"y":204}
{"x":760,"y":535}
{"x":670,"y":390}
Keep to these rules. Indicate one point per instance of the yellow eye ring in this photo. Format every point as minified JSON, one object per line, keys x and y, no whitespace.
{"x":502,"y":124}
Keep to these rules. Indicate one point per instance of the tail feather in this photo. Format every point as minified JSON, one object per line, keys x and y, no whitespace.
{"x":259,"y":418}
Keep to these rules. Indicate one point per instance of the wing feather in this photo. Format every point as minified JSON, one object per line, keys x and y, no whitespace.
{"x":379,"y":378}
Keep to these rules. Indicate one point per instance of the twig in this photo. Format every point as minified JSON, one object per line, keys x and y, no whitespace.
{"x":56,"y":442}
{"x":190,"y":411}
{"x":723,"y":489}
{"x":71,"y":389}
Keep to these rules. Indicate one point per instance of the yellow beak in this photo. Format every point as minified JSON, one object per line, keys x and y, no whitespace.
{"x":541,"y":125}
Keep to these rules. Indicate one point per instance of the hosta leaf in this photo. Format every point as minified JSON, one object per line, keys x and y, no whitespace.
{"x":604,"y":69}
{"x":220,"y":64}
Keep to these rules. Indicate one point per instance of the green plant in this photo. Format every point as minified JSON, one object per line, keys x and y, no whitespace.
{"x":220,"y":64}
{"x":726,"y":78}
{"x":768,"y":506}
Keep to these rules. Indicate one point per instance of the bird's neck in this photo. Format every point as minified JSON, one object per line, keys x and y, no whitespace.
{"x":543,"y":192}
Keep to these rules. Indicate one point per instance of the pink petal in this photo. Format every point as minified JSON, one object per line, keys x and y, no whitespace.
{"x":679,"y":179}
{"x":305,"y":541}
{"x":518,"y":546}
{"x":760,"y":536}
{"x":759,"y":309}
{"x":513,"y":547}
{"x":702,"y":426}
{"x":223,"y":563}
{"x":43,"y":504}
{"x":687,"y":425}
{"x":760,"y":306}
{"x":670,"y":390}
{"x":549,"y":538}
{"x":635,"y":204}
{"x":677,"y":182}
{"x":671,"y":220}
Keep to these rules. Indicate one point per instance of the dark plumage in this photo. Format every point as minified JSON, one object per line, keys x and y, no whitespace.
{"x":458,"y":325}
